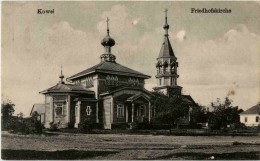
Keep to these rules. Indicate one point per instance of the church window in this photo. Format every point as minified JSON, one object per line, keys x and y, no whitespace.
{"x":89,"y":82}
{"x":108,"y":80}
{"x":120,"y":111}
{"x":59,"y":109}
{"x":257,"y":119}
{"x":160,"y":81}
{"x":88,"y":110}
{"x":245,"y":119}
{"x":112,"y":80}
{"x":137,"y":82}
{"x":130,"y":81}
{"x":116,"y":80}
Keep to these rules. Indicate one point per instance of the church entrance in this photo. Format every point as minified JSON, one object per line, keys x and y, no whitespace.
{"x":137,"y":110}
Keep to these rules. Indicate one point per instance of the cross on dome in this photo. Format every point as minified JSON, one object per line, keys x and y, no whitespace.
{"x":166,"y":10}
{"x":166,"y":26}
{"x":107,"y":25}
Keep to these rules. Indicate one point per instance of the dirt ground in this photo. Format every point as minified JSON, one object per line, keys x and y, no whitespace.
{"x":128,"y":147}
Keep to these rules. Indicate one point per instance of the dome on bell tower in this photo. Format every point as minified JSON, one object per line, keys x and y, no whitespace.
{"x":108,"y":41}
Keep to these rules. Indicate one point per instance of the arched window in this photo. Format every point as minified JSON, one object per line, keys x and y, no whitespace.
{"x":116,"y":80}
{"x":129,"y":80}
{"x":108,"y":79}
{"x":137,"y":81}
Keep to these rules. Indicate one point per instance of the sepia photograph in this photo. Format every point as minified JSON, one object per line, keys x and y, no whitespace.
{"x":130,"y":80}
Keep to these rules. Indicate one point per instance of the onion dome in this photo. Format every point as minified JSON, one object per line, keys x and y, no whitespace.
{"x":166,"y":26}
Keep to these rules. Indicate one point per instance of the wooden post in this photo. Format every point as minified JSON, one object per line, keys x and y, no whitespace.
{"x":68,"y":109}
{"x":133,"y":109}
{"x":111,"y":110}
{"x":79,"y":106}
{"x":97,"y":120}
{"x":149,"y":112}
{"x":126,"y":114}
{"x":52,"y":109}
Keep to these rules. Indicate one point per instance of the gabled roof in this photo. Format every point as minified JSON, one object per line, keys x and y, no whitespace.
{"x":39,"y":108}
{"x":166,"y":49}
{"x":253,"y":110}
{"x":111,"y":68}
{"x":125,"y":88}
{"x":136,"y":96}
{"x":67,"y":88}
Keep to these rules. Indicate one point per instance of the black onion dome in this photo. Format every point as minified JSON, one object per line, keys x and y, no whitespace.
{"x":166,"y":26}
{"x":108,"y":41}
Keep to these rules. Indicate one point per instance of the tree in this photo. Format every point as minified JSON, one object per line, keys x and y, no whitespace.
{"x":224,"y":114}
{"x":168,"y":110}
{"x":198,"y":115}
{"x":7,"y":110}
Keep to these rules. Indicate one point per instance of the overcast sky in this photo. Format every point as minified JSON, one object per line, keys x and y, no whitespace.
{"x":217,"y":53}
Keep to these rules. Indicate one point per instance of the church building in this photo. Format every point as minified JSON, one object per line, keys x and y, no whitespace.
{"x":109,"y":93}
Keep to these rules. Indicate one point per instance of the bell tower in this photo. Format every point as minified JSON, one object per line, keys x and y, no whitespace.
{"x":167,"y":66}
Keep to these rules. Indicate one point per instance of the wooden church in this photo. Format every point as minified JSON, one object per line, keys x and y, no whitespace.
{"x":109,"y":93}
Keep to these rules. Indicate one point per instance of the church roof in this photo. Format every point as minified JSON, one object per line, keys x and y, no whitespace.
{"x":67,"y":88}
{"x":253,"y":110}
{"x":166,"y":49}
{"x":111,"y":68}
{"x":183,"y":99}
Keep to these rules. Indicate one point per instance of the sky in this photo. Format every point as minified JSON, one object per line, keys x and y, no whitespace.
{"x":217,"y":53}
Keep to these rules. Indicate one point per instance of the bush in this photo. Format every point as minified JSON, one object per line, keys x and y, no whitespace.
{"x":33,"y":126}
{"x":71,"y":125}
{"x":145,"y":125}
{"x":18,"y":126}
{"x":85,"y":127}
{"x":24,"y":126}
{"x":119,"y":126}
{"x":195,"y":126}
{"x":238,"y":125}
{"x":54,"y":126}
{"x":133,"y":126}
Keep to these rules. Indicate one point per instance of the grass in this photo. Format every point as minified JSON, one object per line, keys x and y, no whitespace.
{"x":82,"y":155}
{"x":127,"y":147}
{"x":54,"y":155}
{"x":209,"y":156}
{"x":175,"y":132}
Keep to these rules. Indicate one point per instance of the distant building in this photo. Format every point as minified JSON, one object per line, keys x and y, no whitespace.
{"x":40,"y":109}
{"x":251,"y":116}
